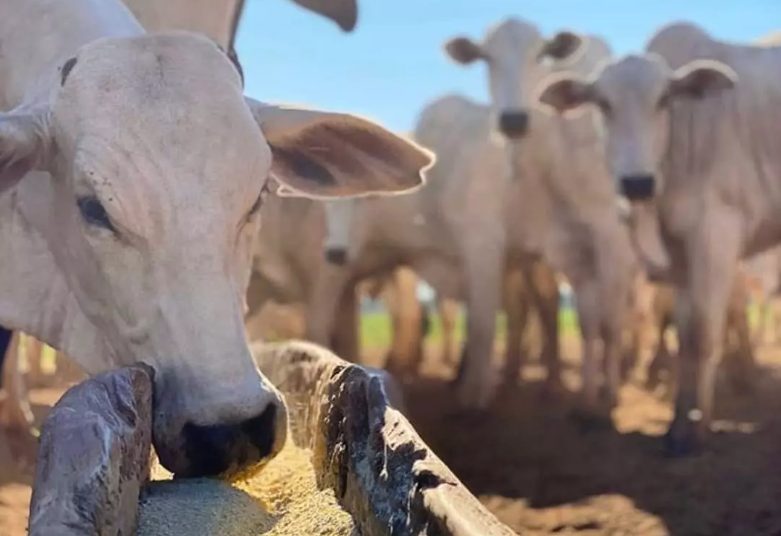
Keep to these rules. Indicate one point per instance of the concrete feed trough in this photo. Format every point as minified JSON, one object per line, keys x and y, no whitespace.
{"x":353,"y":465}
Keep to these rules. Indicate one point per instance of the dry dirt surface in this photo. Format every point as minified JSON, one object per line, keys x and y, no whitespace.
{"x":17,"y":455}
{"x":542,"y":472}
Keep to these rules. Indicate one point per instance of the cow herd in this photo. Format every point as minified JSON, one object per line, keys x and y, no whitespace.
{"x":528,"y":188}
{"x":134,"y":175}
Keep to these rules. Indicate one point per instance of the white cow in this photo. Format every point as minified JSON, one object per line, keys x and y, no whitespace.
{"x":565,"y":205}
{"x":692,"y":128}
{"x":129,"y":209}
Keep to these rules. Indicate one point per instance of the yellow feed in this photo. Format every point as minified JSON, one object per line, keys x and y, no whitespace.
{"x":282,"y":499}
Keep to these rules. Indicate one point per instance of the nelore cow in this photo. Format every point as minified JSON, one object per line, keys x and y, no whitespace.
{"x":691,"y":130}
{"x":563,"y":205}
{"x":132,"y":173}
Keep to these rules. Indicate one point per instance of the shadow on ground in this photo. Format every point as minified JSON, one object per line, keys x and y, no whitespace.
{"x":540,"y":472}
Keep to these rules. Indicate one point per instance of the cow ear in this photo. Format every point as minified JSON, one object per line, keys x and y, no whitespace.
{"x":561,"y":46}
{"x":701,"y":78}
{"x":464,"y":50}
{"x":324,"y":155}
{"x":563,"y":92}
{"x":24,"y":145}
{"x":342,"y":12}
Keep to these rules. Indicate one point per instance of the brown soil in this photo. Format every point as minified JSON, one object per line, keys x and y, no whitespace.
{"x":542,"y":472}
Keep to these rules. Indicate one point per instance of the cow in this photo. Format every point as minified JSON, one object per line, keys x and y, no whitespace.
{"x":128,"y":211}
{"x":565,"y":204}
{"x":691,"y":134}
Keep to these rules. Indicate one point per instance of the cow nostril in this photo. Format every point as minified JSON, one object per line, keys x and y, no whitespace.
{"x":337,"y":256}
{"x":220,"y":448}
{"x":261,"y":430}
{"x":514,"y":124}
{"x":638,"y":187}
{"x":209,"y":448}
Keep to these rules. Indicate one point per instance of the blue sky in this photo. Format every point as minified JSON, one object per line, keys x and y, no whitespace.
{"x":392,"y":64}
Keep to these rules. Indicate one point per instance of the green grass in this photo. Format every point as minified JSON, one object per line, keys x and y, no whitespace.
{"x":376,"y":331}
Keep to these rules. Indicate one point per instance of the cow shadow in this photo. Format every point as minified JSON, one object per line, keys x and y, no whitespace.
{"x":538,"y":468}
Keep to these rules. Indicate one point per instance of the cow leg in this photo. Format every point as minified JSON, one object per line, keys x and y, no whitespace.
{"x":345,"y":339}
{"x":701,"y":318}
{"x":517,"y":309}
{"x":33,"y":350}
{"x":15,"y":413}
{"x":613,"y":315}
{"x":662,"y":359}
{"x":484,"y":269}
{"x":406,"y":353}
{"x":588,"y":316}
{"x":448,"y":316}
{"x":324,"y":300}
{"x":740,"y":357}
{"x":544,"y":290}
{"x":639,"y":326}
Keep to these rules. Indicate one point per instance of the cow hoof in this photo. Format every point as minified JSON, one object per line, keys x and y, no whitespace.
{"x":682,"y":440}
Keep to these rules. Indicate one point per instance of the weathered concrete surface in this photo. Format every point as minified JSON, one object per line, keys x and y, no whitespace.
{"x":381,"y":471}
{"x":94,"y":456}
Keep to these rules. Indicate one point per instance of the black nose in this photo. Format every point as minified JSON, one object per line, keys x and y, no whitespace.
{"x":514,"y":124}
{"x":638,"y":187}
{"x":336,"y":256}
{"x":212,"y":450}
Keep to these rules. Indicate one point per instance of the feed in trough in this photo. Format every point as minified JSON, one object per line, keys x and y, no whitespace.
{"x":282,"y":499}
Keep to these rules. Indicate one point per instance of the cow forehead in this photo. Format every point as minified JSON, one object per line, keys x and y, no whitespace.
{"x":151,"y":71}
{"x":512,"y":36}
{"x":173,"y":94}
{"x":634,"y":77}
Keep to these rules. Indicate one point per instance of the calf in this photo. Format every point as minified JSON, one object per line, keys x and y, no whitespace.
{"x":564,"y":204}
{"x":684,"y":136}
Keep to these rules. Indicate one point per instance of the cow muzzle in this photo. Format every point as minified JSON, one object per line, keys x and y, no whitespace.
{"x":227,"y":448}
{"x":514,"y":123}
{"x":189,"y":448}
{"x":638,"y":187}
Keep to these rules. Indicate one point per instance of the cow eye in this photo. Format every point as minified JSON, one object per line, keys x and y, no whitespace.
{"x":93,"y":212}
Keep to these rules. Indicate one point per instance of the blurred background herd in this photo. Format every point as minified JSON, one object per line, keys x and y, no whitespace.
{"x":522,"y":429}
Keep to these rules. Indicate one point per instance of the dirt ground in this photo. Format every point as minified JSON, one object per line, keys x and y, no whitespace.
{"x":542,"y":473}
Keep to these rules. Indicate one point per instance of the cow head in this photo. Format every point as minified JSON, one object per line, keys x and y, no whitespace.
{"x":515,"y":53}
{"x":635,"y":96}
{"x":157,"y":168}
